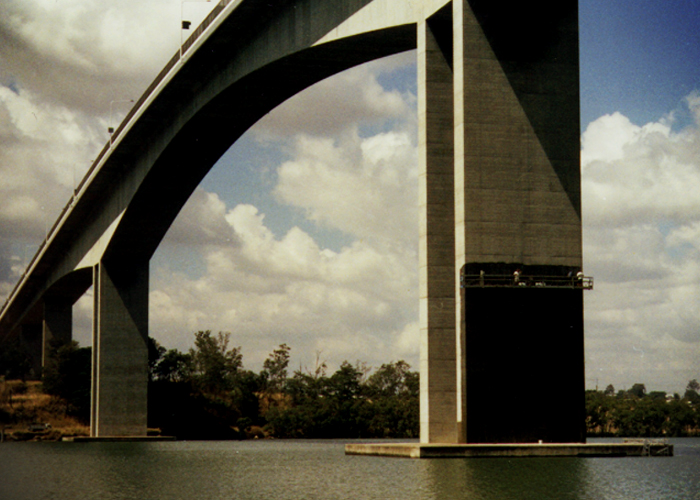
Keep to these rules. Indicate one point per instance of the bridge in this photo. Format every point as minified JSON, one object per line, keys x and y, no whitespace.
{"x":498,"y":110}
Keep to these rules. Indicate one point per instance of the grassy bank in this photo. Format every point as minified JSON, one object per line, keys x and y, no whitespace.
{"x":27,"y":414}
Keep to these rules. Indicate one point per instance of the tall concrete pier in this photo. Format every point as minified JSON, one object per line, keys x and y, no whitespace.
{"x":501,"y":309}
{"x":499,"y":121}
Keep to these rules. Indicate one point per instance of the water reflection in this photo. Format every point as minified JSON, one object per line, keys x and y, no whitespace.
{"x":503,"y":479}
{"x":280,"y":470}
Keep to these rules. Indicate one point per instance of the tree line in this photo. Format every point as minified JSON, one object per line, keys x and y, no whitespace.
{"x":636,"y":413}
{"x":207,"y":393}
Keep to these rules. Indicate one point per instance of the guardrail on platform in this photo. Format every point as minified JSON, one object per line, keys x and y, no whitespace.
{"x":537,"y":281}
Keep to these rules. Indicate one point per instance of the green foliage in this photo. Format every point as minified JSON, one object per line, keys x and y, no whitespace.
{"x":202,"y":394}
{"x":67,"y":375}
{"x":692,"y":392}
{"x":173,"y":366}
{"x":206,"y":393}
{"x":274,"y":372}
{"x":638,"y":391}
{"x":214,"y":365}
{"x":394,"y":391}
{"x":348,"y":404}
{"x":14,"y":361}
{"x":273,"y":377}
{"x":635,"y":413}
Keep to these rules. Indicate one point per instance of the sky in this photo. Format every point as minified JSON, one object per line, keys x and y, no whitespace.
{"x":306,"y":230}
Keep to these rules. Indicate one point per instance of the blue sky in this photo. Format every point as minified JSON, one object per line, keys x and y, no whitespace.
{"x":273,"y":246}
{"x":637,"y":57}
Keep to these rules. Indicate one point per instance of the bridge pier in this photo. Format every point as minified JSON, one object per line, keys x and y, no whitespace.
{"x":500,"y":189}
{"x":517,"y":204}
{"x":120,"y":350}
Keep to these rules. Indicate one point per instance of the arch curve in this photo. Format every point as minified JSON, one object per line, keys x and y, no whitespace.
{"x":206,"y":136}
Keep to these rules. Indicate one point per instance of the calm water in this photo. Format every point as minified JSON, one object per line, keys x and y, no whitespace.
{"x":320,"y":470}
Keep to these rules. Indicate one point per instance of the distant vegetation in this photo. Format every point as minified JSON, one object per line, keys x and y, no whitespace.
{"x":636,"y":413}
{"x":206,"y":393}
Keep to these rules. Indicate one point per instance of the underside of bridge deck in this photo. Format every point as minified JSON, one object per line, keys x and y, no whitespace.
{"x":498,"y":113}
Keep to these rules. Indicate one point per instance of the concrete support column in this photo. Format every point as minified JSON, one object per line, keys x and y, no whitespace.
{"x":58,"y":325}
{"x":120,"y":352}
{"x":517,"y":191}
{"x":437,"y":269}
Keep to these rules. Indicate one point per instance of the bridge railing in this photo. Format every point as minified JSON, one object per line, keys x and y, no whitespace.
{"x":174,"y":60}
{"x":538,"y":281}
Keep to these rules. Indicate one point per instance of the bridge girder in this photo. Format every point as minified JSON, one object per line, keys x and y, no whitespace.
{"x":487,"y":118}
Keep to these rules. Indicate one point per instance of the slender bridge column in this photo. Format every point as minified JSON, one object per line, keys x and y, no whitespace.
{"x":438,"y":353}
{"x":120,"y":353}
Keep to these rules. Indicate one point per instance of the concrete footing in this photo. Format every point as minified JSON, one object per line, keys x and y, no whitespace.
{"x":117,"y":439}
{"x":417,"y":450}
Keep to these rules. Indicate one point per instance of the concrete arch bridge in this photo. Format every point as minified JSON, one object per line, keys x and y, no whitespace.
{"x":499,"y":191}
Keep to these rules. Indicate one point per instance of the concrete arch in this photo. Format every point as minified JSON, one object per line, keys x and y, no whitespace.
{"x":197,"y":146}
{"x":499,"y":191}
{"x":252,"y":56}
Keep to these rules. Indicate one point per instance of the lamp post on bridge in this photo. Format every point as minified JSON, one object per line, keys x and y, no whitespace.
{"x":184,"y":24}
{"x":110,"y":129}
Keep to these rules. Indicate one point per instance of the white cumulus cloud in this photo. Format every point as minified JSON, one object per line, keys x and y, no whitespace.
{"x":640,"y":188}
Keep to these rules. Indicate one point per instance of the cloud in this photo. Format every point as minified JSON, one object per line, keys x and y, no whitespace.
{"x":85,"y":54}
{"x":352,"y":304}
{"x":357,"y":303}
{"x":364,"y":187}
{"x":220,"y":266}
{"x":633,"y":174}
{"x":353,"y":171}
{"x":62,"y":64}
{"x":345,"y":101}
{"x":201,"y":222}
{"x":641,"y":242}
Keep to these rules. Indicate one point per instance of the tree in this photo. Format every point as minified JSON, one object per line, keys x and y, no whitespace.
{"x":692,"y":392}
{"x":215,"y":365}
{"x":389,"y":380}
{"x":657,"y":395}
{"x":638,"y":391}
{"x":155,"y":353}
{"x":15,"y":363}
{"x":173,"y":366}
{"x":609,"y":391}
{"x":68,"y":376}
{"x":393,"y":391}
{"x":274,"y":374}
{"x":597,"y":411}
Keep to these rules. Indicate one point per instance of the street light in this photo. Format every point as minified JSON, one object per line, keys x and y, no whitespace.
{"x":185,"y":25}
{"x":110,"y":129}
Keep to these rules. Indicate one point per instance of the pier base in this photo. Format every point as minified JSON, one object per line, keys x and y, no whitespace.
{"x":117,"y":439}
{"x":418,"y":450}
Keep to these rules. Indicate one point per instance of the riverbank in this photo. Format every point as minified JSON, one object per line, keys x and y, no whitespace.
{"x":27,"y":414}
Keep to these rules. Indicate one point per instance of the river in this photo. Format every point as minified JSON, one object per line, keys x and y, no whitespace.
{"x":201,"y":470}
